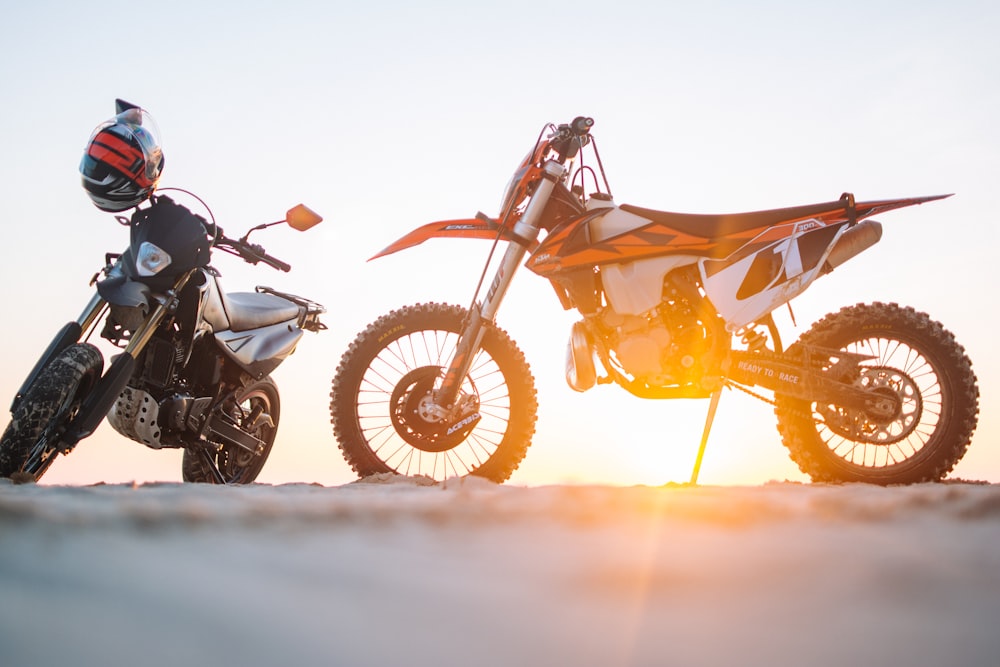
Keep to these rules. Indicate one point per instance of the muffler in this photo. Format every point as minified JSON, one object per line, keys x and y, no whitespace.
{"x":855,"y":240}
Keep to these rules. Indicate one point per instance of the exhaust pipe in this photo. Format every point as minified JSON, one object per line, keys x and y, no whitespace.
{"x":855,"y":240}
{"x":581,"y":374}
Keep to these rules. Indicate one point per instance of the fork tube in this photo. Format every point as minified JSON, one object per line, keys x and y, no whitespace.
{"x":526,"y":229}
{"x":91,"y":312}
{"x":113,"y":382}
{"x":68,"y":335}
{"x":472,"y":336}
{"x":148,"y":328}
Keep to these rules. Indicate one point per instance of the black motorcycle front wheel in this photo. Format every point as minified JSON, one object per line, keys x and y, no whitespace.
{"x":30,"y":443}
{"x":916,"y":365}
{"x":386,"y":379}
{"x":255,"y":410}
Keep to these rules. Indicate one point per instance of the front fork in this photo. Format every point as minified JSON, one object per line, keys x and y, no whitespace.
{"x":98,"y":402}
{"x":112,"y":383}
{"x":481,"y":314}
{"x":68,"y":335}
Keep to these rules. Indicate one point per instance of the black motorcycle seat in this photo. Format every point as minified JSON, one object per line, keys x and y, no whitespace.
{"x":251,"y":310}
{"x":710,"y":226}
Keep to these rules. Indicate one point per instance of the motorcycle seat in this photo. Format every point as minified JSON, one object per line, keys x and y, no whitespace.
{"x":251,"y":310}
{"x":718,"y":227}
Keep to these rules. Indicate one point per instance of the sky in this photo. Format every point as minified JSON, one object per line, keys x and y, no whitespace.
{"x":383,"y":116}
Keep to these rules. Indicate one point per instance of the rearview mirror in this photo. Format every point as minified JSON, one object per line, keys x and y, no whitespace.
{"x":301,"y":217}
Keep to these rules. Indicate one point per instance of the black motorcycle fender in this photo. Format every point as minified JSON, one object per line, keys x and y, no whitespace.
{"x":120,"y":290}
{"x":97,"y":405}
{"x":69,"y":334}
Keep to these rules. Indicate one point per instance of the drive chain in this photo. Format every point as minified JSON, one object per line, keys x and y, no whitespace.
{"x":733,"y":385}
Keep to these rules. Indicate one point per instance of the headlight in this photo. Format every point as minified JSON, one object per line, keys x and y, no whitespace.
{"x":151,"y":259}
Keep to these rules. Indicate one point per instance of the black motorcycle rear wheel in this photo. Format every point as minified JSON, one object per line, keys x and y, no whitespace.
{"x":49,"y":404}
{"x":384,"y":381}
{"x":917,"y":364}
{"x":256,"y":410}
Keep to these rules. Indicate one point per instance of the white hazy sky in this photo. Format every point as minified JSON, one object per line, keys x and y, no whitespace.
{"x":386,"y":115}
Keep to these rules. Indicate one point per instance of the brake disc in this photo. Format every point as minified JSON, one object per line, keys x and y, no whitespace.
{"x":895,"y":411}
{"x":415,"y":420}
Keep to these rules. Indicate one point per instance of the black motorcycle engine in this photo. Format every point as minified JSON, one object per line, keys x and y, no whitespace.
{"x":168,"y":396}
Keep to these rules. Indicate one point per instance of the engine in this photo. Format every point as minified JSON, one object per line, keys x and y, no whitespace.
{"x":669,"y":347}
{"x":661,"y":348}
{"x":654,"y":349}
{"x":642,"y":346}
{"x":167,"y":397}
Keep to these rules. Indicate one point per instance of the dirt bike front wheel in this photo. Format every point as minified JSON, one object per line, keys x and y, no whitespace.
{"x":255,"y":410}
{"x":385,"y":382}
{"x":29,"y":444}
{"x":919,"y":368}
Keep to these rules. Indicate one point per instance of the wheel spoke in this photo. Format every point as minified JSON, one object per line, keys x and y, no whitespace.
{"x":905,"y":373}
{"x":387,"y":420}
{"x":417,"y":350}
{"x":923,"y":408}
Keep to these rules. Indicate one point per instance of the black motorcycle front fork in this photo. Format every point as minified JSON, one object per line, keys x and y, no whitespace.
{"x":99,"y":401}
{"x":113,"y":382}
{"x":68,"y":335}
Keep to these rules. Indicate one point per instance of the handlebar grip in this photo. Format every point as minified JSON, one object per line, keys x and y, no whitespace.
{"x":253,"y":254}
{"x":581,"y":125}
{"x":569,"y":139}
{"x":278,"y":264}
{"x":260,"y":256}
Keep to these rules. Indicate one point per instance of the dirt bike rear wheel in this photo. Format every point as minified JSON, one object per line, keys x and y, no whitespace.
{"x":392,"y":366}
{"x":237,"y":465}
{"x":46,"y":408}
{"x":921,"y":367}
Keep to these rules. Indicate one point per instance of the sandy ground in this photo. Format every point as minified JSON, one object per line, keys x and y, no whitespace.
{"x":393,"y":571}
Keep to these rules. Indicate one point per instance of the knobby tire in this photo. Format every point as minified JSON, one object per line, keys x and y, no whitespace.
{"x":422,"y":336}
{"x":942,"y":407}
{"x":46,"y":408}
{"x":237,"y":465}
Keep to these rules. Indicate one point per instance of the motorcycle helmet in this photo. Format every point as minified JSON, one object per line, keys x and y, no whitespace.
{"x":123,"y":159}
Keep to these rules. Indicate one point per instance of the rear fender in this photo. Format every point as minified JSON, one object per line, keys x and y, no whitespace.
{"x":480,"y":227}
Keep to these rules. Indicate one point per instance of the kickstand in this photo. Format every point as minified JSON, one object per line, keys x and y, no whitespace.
{"x":213,"y":467}
{"x":712,"y":407}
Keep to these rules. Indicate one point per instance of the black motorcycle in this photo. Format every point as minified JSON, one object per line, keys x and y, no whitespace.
{"x":194,"y":368}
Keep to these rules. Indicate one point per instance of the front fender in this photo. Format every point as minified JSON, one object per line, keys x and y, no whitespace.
{"x":480,"y":227}
{"x":119,"y":290}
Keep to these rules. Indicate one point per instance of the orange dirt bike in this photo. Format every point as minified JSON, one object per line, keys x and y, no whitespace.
{"x":672,"y":305}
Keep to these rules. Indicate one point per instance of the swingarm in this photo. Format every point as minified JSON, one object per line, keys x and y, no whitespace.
{"x":806,"y":373}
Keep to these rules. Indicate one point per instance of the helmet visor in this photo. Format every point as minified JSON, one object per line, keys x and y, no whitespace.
{"x":147,"y":134}
{"x":136,"y":127}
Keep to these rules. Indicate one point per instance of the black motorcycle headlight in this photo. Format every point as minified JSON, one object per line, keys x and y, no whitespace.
{"x":151,"y":259}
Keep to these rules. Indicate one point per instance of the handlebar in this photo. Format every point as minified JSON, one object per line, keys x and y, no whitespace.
{"x":571,"y":137}
{"x":250,"y":252}
{"x":581,"y":125}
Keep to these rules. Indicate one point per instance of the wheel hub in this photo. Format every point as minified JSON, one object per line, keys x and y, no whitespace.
{"x":417,"y":418}
{"x":891,"y":414}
